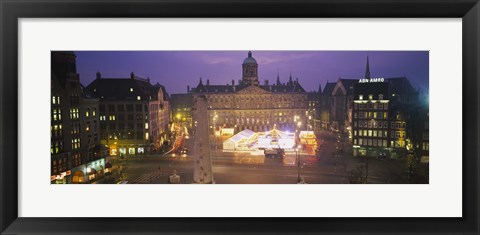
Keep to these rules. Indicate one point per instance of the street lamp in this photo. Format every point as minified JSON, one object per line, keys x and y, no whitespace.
{"x":214,"y":136}
{"x":298,"y":164}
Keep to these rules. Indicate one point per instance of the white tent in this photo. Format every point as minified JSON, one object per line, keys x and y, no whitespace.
{"x":233,"y":142}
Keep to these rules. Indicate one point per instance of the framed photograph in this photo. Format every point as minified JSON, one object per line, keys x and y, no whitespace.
{"x":239,"y":117}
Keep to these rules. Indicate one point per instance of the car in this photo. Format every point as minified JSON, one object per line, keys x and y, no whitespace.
{"x":184,"y":151}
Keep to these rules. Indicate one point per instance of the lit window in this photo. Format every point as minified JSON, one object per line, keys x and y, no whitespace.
{"x":370,"y":97}
{"x":131,"y":89}
{"x":138,"y":98}
{"x":146,"y":136}
{"x":380,"y":97}
{"x":146,"y":125}
{"x":54,"y":100}
{"x":86,"y":114}
{"x":360,"y":97}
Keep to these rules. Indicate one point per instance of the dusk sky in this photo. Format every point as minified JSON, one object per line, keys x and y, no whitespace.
{"x":177,"y":69}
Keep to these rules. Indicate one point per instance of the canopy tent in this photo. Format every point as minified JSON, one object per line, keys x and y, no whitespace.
{"x":239,"y":139}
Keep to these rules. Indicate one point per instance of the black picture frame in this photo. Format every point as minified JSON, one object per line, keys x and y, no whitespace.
{"x":11,"y":11}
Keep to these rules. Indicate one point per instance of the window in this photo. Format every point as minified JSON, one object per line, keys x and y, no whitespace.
{"x":355,"y":106}
{"x":370,"y":97}
{"x":380,"y":97}
{"x":139,"y":98}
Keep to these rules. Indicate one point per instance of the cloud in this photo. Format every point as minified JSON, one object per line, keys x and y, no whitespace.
{"x":217,"y":60}
{"x":276,"y":58}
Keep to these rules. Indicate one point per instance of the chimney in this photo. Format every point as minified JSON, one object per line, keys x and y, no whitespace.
{"x":266,"y":82}
{"x":208,"y":82}
{"x":233,"y":82}
{"x":99,"y":75}
{"x":132,"y":75}
{"x":188,"y":88}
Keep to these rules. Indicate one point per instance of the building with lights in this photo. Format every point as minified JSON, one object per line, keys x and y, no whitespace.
{"x":250,"y":105}
{"x":182,"y":109}
{"x":134,"y":114}
{"x":76,"y":153}
{"x":313,"y":115}
{"x":325,"y":105}
{"x":381,"y":116}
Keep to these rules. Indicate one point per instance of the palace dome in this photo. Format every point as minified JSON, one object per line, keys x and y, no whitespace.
{"x":249,"y":59}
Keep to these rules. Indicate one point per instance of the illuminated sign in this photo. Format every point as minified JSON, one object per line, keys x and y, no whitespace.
{"x":366,"y":80}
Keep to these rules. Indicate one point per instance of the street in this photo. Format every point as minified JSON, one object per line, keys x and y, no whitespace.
{"x":328,"y":166}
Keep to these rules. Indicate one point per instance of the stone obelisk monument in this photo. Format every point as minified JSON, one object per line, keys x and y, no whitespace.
{"x":202,"y":165}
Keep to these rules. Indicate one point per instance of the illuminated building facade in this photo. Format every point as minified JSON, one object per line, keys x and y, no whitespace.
{"x":325,"y":105}
{"x":182,"y":109}
{"x":313,"y":115}
{"x":249,"y":105}
{"x":341,"y":109}
{"x":381,"y":116}
{"x":74,"y":132}
{"x":134,"y":114}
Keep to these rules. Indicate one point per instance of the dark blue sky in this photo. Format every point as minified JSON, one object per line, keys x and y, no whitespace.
{"x":177,"y":69}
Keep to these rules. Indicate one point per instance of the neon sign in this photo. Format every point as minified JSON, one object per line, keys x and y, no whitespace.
{"x":366,"y":80}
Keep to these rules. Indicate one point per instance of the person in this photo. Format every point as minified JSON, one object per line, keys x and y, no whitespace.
{"x":174,"y":179}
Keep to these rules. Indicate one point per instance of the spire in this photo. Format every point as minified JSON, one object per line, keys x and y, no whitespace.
{"x":367,"y":71}
{"x":201,"y":83}
{"x":278,"y":78}
{"x":290,"y":79}
{"x":320,"y":88}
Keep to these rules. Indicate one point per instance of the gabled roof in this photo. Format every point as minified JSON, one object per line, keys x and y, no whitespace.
{"x":158,"y":87}
{"x":121,"y":89}
{"x":295,"y":87}
{"x":329,"y":88}
{"x":348,"y":84}
{"x":245,"y":134}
